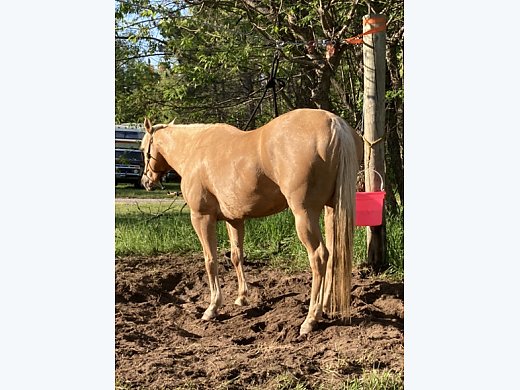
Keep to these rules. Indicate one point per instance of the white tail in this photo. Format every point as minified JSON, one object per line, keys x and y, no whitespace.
{"x":338,"y":278}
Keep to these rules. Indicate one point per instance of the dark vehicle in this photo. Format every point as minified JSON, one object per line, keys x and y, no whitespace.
{"x":129,"y":166}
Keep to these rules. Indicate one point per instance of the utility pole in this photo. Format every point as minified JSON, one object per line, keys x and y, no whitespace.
{"x":374,"y":68}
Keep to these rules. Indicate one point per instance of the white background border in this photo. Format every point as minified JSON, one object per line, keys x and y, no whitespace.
{"x":462,"y":73}
{"x":57,"y":191}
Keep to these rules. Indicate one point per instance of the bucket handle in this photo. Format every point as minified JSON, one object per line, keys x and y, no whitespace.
{"x":378,"y":174}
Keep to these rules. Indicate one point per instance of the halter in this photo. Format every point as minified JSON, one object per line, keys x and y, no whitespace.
{"x":149,"y":158}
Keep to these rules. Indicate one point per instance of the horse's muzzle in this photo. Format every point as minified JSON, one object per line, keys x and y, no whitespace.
{"x":149,"y":184}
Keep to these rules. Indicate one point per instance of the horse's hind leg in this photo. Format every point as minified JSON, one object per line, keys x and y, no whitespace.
{"x":308,"y":229}
{"x":206,"y":228}
{"x":236,"y":239}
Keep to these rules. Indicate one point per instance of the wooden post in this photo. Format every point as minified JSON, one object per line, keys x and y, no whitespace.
{"x":374,"y":65}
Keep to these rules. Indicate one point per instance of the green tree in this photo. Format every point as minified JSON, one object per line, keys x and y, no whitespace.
{"x":134,"y":78}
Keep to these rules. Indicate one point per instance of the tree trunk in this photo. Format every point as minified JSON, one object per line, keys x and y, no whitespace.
{"x":247,"y":84}
{"x":325,"y":71}
{"x":320,"y":93}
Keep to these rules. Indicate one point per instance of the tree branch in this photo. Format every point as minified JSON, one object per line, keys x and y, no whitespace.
{"x":127,"y":37}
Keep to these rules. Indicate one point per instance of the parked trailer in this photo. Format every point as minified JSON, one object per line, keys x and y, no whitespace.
{"x":129,"y":163}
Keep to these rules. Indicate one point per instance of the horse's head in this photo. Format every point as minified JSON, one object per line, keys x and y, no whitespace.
{"x":155,"y":166}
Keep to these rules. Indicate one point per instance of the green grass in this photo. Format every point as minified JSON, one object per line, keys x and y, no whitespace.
{"x":163,"y":228}
{"x":368,"y":380}
{"x":153,"y":228}
{"x":375,"y":380}
{"x":129,"y":191}
{"x":395,"y":243}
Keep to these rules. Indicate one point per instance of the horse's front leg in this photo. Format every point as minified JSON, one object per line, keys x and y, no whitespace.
{"x":236,"y":239}
{"x":205,"y":227}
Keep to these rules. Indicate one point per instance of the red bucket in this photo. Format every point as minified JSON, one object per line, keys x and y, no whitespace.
{"x":369,"y":208}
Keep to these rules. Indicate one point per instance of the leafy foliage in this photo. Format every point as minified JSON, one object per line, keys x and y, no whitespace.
{"x":214,"y":55}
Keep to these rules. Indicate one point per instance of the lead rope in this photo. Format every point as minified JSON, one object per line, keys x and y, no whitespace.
{"x":271,"y":84}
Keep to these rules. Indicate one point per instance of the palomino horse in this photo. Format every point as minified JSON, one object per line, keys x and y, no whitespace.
{"x":306,"y":160}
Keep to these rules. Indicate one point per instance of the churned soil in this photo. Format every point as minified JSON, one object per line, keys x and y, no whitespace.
{"x":162,"y":343}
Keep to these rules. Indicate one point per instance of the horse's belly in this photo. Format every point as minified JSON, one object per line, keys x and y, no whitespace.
{"x":259,"y":203}
{"x":266,"y":206}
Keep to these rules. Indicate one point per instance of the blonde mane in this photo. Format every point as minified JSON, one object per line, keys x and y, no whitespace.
{"x":194,"y":126}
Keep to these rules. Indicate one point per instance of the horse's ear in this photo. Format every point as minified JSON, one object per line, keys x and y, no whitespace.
{"x":148,"y":125}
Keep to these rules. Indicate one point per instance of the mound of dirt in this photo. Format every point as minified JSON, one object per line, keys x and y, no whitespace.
{"x":162,"y":343}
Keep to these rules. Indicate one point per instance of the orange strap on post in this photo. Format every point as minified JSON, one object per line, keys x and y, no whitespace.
{"x":374,"y":20}
{"x":356,"y":40}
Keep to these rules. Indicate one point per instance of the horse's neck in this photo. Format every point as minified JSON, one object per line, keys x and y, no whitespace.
{"x":177,"y":143}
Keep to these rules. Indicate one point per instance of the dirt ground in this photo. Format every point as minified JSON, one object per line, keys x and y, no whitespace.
{"x":162,"y":343}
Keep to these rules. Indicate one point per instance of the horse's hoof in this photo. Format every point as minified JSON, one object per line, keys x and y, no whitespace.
{"x":241,"y":301}
{"x":307,"y":328}
{"x":209,"y":315}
